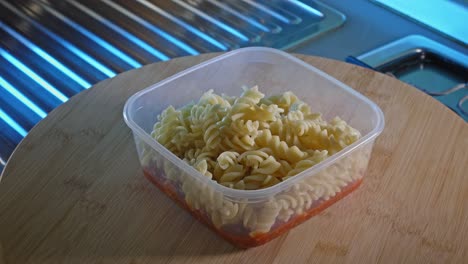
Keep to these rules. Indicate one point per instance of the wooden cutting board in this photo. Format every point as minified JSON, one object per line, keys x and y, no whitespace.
{"x":73,"y":191}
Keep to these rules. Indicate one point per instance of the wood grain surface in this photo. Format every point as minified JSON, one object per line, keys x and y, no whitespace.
{"x":73,"y":191}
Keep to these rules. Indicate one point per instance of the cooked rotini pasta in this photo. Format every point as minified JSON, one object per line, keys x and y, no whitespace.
{"x":252,"y":141}
{"x":249,"y":143}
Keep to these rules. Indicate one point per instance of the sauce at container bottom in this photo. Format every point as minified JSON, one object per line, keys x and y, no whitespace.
{"x":247,"y":241}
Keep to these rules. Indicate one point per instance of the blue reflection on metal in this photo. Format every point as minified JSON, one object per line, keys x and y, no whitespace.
{"x":90,"y":60}
{"x":239,"y":14}
{"x":46,"y":56}
{"x":268,"y":11}
{"x":220,"y":24}
{"x":11,"y":122}
{"x":12,"y":90}
{"x":448,"y":17}
{"x":108,"y":72}
{"x":121,"y":31}
{"x":153,"y":28}
{"x":306,"y":7}
{"x":183,"y":24}
{"x":51,"y":89}
{"x":106,"y":45}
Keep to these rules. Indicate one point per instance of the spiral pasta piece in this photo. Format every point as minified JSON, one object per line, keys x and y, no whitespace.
{"x":267,"y":166}
{"x":280,"y":148}
{"x":232,"y":175}
{"x":227,"y":159}
{"x":214,"y":99}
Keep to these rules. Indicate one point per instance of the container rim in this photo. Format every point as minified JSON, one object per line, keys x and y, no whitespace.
{"x":261,"y":193}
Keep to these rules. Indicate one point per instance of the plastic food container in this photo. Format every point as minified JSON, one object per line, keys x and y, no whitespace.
{"x":249,"y":218}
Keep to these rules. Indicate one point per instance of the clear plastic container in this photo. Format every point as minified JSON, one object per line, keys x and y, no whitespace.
{"x":249,"y":218}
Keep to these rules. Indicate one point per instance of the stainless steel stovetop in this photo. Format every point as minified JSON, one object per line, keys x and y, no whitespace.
{"x":52,"y":49}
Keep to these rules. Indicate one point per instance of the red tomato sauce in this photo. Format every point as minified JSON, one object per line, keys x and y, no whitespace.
{"x":238,"y":235}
